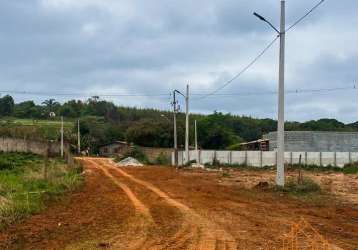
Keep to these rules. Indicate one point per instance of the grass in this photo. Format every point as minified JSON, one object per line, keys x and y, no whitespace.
{"x":23,"y":188}
{"x":35,"y":122}
{"x":347,"y":169}
{"x":306,"y":186}
{"x":35,"y":129}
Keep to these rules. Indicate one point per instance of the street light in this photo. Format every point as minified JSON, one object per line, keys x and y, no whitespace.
{"x":280,"y":176}
{"x":264,"y":20}
{"x":186,"y":121}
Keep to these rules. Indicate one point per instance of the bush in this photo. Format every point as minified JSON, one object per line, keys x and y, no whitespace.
{"x":307,"y":186}
{"x":5,"y":164}
{"x":162,"y":159}
{"x":351,"y":168}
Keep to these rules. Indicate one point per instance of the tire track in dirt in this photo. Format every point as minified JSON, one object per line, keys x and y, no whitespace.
{"x":204,"y":234}
{"x":144,"y":217}
{"x":186,"y":232}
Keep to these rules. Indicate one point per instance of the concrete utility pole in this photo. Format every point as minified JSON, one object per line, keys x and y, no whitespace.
{"x":62,"y":136}
{"x":196,"y":144}
{"x":280,"y":176}
{"x":78,"y":137}
{"x":175,"y":129}
{"x":187,"y":125}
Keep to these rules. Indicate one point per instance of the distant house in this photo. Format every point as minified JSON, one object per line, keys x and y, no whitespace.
{"x":114,"y":148}
{"x":258,"y":145}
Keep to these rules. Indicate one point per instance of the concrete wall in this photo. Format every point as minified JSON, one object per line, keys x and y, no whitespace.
{"x":114,"y":149}
{"x":268,"y":158}
{"x":312,"y":141}
{"x":153,"y":153}
{"x":30,"y":146}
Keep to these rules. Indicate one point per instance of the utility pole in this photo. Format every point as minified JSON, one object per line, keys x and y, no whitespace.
{"x":280,"y":172}
{"x":280,"y":175}
{"x":187,"y":124}
{"x":78,"y":137}
{"x":175,"y":129}
{"x":61,"y":136}
{"x":196,"y":145}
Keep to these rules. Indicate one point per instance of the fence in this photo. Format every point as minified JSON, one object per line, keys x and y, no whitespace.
{"x":267,"y":158}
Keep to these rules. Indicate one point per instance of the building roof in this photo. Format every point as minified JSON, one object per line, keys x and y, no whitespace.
{"x":257,"y":141}
{"x":114,"y":142}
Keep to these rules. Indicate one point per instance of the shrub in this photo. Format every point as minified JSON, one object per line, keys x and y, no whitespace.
{"x":307,"y":186}
{"x":162,"y":159}
{"x":351,"y":168}
{"x":5,"y":164}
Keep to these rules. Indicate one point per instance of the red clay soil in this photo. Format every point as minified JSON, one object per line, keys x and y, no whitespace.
{"x":162,"y":208}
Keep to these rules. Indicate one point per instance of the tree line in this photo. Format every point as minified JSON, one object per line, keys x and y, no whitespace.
{"x":102,"y":122}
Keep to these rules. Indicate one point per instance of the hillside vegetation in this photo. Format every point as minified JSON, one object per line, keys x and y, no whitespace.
{"x":102,"y":122}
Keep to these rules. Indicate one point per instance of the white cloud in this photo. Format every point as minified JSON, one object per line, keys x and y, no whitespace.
{"x":140,"y":46}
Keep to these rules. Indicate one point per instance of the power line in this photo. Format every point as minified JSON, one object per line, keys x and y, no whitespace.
{"x":304,"y":16}
{"x":261,"y":54}
{"x":242,"y":71}
{"x":297,"y":91}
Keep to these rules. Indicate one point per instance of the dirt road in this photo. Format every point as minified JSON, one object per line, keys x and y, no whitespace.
{"x":162,"y":208}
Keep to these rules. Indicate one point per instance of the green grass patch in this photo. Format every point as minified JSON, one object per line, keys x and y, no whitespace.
{"x":307,"y":186}
{"x":34,"y":129}
{"x":351,"y":168}
{"x":24,"y":189}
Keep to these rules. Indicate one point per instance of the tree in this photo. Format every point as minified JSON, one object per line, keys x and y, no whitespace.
{"x":6,"y":105}
{"x":72,"y":109}
{"x":24,"y":109}
{"x":51,"y":105}
{"x":150,"y":133}
{"x":216,"y":132}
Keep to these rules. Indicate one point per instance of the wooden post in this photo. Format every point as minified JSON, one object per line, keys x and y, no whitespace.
{"x":260,"y":158}
{"x":46,"y":163}
{"x":300,"y":178}
{"x":306,"y":158}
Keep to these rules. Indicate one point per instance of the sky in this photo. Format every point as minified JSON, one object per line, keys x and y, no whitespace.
{"x":143,"y":47}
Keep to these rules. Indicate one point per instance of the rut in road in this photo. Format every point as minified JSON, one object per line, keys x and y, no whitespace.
{"x":144,"y":218}
{"x":143,"y":222}
{"x":199,"y":231}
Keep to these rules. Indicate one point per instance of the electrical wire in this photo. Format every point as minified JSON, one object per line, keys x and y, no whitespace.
{"x":261,"y":54}
{"x":242,"y":71}
{"x":297,"y":91}
{"x":304,"y":16}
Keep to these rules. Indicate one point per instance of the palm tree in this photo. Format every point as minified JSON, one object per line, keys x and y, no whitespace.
{"x":50,"y":104}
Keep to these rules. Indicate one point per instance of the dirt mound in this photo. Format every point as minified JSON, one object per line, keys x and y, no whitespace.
{"x":130,"y":161}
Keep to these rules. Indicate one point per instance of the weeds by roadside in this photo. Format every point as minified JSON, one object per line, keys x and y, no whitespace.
{"x":23,"y":188}
{"x":346,"y":169}
{"x":299,"y":188}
